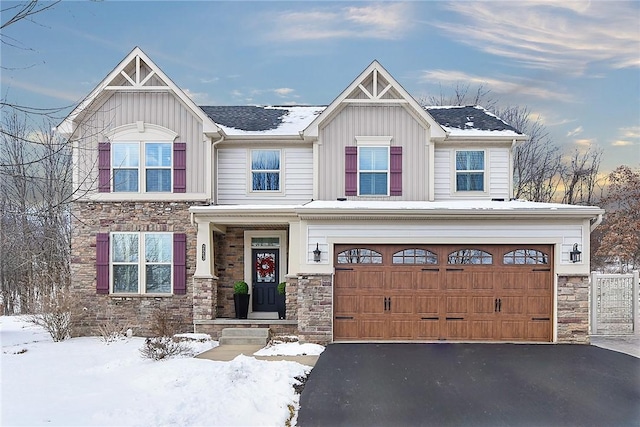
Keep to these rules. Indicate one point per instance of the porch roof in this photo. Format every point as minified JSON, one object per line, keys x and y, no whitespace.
{"x":364,"y":209}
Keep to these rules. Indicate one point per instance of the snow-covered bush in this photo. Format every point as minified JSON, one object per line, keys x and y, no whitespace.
{"x":159,"y":348}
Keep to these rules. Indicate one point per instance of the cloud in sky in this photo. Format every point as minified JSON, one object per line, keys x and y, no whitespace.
{"x":388,"y":21}
{"x":566,"y":36}
{"x":627,"y":136}
{"x":515,"y":86}
{"x":575,"y":131}
{"x":41,"y":90}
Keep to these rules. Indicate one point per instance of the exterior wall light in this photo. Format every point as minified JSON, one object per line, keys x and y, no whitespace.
{"x":316,"y":254}
{"x":575,"y":255}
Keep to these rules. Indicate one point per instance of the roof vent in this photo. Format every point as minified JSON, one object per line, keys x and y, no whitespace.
{"x":342,"y":199}
{"x":497,"y":200}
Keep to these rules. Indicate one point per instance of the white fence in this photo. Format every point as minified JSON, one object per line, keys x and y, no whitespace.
{"x":614,"y":304}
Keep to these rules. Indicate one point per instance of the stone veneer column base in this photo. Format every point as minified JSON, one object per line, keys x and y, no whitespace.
{"x":573,"y":309}
{"x":205,"y":298}
{"x":315,"y":294}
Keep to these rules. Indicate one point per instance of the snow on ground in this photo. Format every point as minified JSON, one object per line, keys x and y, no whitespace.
{"x":292,"y":348}
{"x":86,"y":382}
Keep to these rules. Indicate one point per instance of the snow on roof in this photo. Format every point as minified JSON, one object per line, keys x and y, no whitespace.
{"x":442,"y":205}
{"x":474,"y":120}
{"x":256,"y":120}
{"x":263,"y":120}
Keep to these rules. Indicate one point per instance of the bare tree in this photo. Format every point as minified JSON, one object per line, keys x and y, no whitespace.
{"x":620,"y":242}
{"x":34,"y":227}
{"x":580,"y":177}
{"x":461,"y":94}
{"x":537,"y":163}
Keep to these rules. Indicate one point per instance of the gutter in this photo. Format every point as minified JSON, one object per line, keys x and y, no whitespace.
{"x":596,"y":223}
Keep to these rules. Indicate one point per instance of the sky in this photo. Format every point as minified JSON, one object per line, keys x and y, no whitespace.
{"x":575,"y":65}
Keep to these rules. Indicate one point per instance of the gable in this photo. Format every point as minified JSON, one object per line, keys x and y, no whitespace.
{"x":136,"y":73}
{"x":375,"y":86}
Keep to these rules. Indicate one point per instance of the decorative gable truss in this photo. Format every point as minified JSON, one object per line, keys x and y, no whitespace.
{"x":137,"y":74}
{"x":375,"y":88}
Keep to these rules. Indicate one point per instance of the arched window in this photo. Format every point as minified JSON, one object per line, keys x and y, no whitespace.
{"x":525,"y":256}
{"x":359,"y":256}
{"x":415,"y":256}
{"x":470,"y":256}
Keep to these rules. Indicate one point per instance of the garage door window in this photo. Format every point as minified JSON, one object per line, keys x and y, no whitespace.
{"x":525,"y":256}
{"x":415,"y":256}
{"x":470,"y":256}
{"x":359,"y":256}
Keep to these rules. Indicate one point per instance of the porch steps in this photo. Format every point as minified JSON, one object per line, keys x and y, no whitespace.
{"x":244,"y":336}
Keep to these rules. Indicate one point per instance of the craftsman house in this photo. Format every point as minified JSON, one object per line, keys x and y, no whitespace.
{"x":388,"y":221}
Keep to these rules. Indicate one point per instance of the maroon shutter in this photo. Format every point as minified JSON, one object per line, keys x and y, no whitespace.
{"x":179,"y":263}
{"x":102,"y":263}
{"x":104,"y":167}
{"x":396,"y":171}
{"x":351,"y":171}
{"x":179,"y":167}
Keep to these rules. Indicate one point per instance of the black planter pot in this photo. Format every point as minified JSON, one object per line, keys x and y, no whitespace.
{"x":241,"y":302}
{"x":282,"y":306}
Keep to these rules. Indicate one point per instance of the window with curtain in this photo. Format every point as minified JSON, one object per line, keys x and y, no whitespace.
{"x":373,"y":171}
{"x":469,"y":170}
{"x":265,"y":170}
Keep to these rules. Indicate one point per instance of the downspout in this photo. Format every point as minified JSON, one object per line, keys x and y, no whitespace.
{"x":214,"y":184}
{"x":596,"y":223}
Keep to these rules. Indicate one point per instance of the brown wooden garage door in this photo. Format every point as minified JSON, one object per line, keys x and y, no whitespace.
{"x":444,"y":292}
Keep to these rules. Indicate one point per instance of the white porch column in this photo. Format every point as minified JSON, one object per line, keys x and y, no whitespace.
{"x":295,"y":251}
{"x":204,"y":250}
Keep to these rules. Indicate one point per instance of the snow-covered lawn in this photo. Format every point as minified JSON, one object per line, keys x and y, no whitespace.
{"x":86,"y":382}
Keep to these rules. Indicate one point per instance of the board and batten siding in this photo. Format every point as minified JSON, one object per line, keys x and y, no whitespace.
{"x":123,"y":108}
{"x":497,"y":164}
{"x":374,"y":120}
{"x":233,"y":176}
{"x":562,"y":233}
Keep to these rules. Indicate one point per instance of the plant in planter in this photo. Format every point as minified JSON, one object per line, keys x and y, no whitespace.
{"x":281,"y":300}
{"x":241,"y":299}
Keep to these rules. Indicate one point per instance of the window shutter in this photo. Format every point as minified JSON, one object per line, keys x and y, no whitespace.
{"x":179,"y":167}
{"x":396,"y":171}
{"x":102,"y":263}
{"x":104,"y":167}
{"x":351,"y":171}
{"x":179,"y":263}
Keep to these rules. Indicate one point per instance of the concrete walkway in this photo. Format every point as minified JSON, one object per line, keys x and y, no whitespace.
{"x":225,"y":353}
{"x":628,"y":344}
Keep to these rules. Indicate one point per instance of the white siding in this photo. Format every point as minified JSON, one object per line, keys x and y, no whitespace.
{"x":159,"y":108}
{"x":563,"y":234}
{"x":233,"y":176}
{"x":374,"y":120}
{"x":442,"y":176}
{"x":499,"y":173}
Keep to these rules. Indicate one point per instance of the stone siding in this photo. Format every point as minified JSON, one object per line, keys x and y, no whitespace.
{"x":229,"y":267}
{"x":573,"y":309}
{"x":137,"y":312}
{"x":315,"y":299}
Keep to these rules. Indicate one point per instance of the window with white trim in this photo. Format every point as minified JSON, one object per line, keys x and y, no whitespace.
{"x":265,"y":170}
{"x":470,"y":169}
{"x":153,"y":174}
{"x":141,"y":263}
{"x":373,"y":171}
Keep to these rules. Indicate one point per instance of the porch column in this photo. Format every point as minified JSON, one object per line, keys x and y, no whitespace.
{"x":204,"y":250}
{"x":205,"y":283}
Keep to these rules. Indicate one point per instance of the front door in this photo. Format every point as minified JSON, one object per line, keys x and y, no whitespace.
{"x":265,"y":278}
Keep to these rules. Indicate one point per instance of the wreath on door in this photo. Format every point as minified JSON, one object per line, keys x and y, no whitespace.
{"x":265,"y":265}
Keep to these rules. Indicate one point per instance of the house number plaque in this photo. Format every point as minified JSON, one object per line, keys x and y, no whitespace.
{"x":204,"y":252}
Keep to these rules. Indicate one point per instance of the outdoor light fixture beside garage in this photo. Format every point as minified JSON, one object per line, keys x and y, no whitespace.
{"x":575,"y":255}
{"x":316,"y":254}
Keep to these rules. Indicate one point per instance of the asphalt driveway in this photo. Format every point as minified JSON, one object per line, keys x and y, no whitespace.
{"x":471,"y":385}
